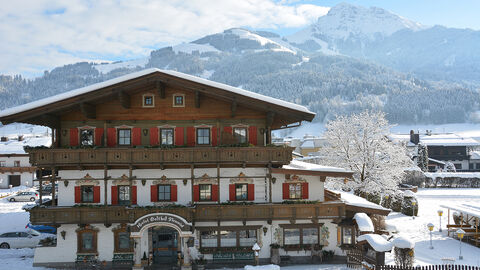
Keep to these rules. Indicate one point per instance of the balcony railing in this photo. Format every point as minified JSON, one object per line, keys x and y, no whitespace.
{"x":158,"y":156}
{"x":121,"y":214}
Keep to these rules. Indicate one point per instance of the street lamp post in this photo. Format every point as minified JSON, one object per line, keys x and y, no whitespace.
{"x":256,"y":249}
{"x":460,"y":234}
{"x":440,"y":213}
{"x":430,"y":228}
{"x":413,"y":209}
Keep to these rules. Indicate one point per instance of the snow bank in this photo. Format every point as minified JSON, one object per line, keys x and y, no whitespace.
{"x":364,"y":222}
{"x":377,"y":242}
{"x":262,"y":267}
{"x":453,"y":174}
{"x":402,"y":242}
{"x":408,"y":194}
{"x":16,"y":146}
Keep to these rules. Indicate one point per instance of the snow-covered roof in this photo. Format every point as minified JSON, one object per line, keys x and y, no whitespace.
{"x":300,"y":165}
{"x":436,"y":161}
{"x":14,"y":146}
{"x":474,"y":155}
{"x":376,"y":241}
{"x":364,"y":222}
{"x":308,"y":144}
{"x":353,"y":200}
{"x":134,"y":75}
{"x":440,"y":139}
{"x":402,"y":242}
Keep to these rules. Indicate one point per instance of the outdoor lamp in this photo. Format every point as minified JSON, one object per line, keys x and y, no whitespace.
{"x":460,"y":234}
{"x":440,"y":214}
{"x":413,"y":209}
{"x":430,"y":228}
{"x":256,"y":249}
{"x":265,"y":229}
{"x":63,"y":234}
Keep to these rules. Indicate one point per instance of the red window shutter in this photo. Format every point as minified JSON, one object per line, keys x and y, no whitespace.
{"x":154,"y":138}
{"x":173,"y":193}
{"x":134,"y":194}
{"x":154,"y":193}
{"x":251,"y":192}
{"x":304,"y":190}
{"x":214,"y":136}
{"x":252,"y":135}
{"x":231,"y":189}
{"x":227,"y":129}
{"x":190,"y":136}
{"x":114,"y":195}
{"x":136,"y":136}
{"x":74,"y":137}
{"x":111,"y":137}
{"x":78,"y":194}
{"x":214,"y":193}
{"x":179,"y":136}
{"x":196,"y":193}
{"x":96,"y":194}
{"x":286,"y":191}
{"x":98,"y":136}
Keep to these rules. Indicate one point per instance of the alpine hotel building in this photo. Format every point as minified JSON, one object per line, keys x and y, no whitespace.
{"x":156,"y":163}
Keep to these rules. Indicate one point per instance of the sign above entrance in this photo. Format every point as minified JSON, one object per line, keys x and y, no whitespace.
{"x":161,"y":219}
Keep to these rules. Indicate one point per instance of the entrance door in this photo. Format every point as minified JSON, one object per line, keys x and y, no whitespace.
{"x":14,"y":180}
{"x":165,"y":245}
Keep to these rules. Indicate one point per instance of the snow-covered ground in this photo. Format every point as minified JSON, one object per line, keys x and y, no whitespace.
{"x":429,"y":201}
{"x":12,"y":217}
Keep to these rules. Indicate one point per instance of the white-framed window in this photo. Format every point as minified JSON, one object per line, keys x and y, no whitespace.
{"x":124,"y":136}
{"x":166,"y":136}
{"x":86,"y":136}
{"x":203,"y":136}
{"x":240,"y":134}
{"x":178,"y":100}
{"x":148,"y":101}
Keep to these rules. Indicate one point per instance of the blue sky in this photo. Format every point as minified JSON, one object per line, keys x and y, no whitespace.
{"x":38,"y":35}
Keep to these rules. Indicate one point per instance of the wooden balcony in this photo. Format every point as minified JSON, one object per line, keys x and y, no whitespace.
{"x":159,"y":156}
{"x":121,"y":214}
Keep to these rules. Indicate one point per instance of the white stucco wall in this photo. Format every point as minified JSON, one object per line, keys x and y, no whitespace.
{"x":26,"y":179}
{"x":315,"y":187}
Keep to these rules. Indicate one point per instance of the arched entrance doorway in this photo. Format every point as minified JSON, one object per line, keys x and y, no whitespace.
{"x":165,"y":244}
{"x":164,"y":236}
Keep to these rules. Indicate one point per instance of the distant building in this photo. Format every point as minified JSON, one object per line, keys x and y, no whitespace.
{"x":15,"y":167}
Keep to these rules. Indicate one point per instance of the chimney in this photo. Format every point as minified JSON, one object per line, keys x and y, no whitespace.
{"x":4,"y":139}
{"x":414,"y":137}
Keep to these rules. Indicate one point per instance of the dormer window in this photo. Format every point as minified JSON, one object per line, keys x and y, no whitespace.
{"x":178,"y":100}
{"x":148,"y":101}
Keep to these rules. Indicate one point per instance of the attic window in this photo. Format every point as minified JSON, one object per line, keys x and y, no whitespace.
{"x":148,"y":101}
{"x":178,"y":100}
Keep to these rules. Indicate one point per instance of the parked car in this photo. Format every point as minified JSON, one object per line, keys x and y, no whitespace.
{"x":42,"y":228}
{"x":25,"y":196}
{"x":20,"y":239}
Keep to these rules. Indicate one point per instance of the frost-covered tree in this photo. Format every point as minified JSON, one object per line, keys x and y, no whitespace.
{"x":422,"y":160}
{"x":359,"y":143}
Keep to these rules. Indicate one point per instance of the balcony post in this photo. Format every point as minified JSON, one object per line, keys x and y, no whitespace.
{"x":105,"y":184}
{"x":270,"y":182}
{"x":39,"y":172}
{"x":53,"y":186}
{"x":192,"y":177}
{"x":218,"y":182}
{"x":130,"y":176}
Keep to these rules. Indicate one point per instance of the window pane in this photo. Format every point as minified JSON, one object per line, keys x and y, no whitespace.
{"x":124,"y":136}
{"x":87,"y":194}
{"x":164,"y":193}
{"x":347,"y":235}
{"x":292,"y":236}
{"x":248,"y":238}
{"x":310,"y":236}
{"x":167,"y":136}
{"x":208,"y":239}
{"x":295,"y":191}
{"x":205,"y":192}
{"x":148,"y":101}
{"x":87,"y":241}
{"x":240,"y":134}
{"x":228,"y":238}
{"x":178,"y":100}
{"x":123,"y":194}
{"x":123,"y":240}
{"x":86,"y":137}
{"x":241,"y":192}
{"x":203,"y":136}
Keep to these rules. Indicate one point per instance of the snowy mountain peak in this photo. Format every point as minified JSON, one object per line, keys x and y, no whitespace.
{"x":345,"y":21}
{"x":239,"y":39}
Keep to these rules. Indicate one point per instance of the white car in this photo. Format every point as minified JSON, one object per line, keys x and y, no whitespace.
{"x":20,"y":239}
{"x":25,"y":196}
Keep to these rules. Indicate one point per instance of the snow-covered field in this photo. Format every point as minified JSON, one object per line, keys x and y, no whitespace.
{"x":429,"y":201}
{"x":12,"y":217}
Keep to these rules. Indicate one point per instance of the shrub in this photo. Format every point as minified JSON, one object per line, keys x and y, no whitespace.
{"x":404,"y":257}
